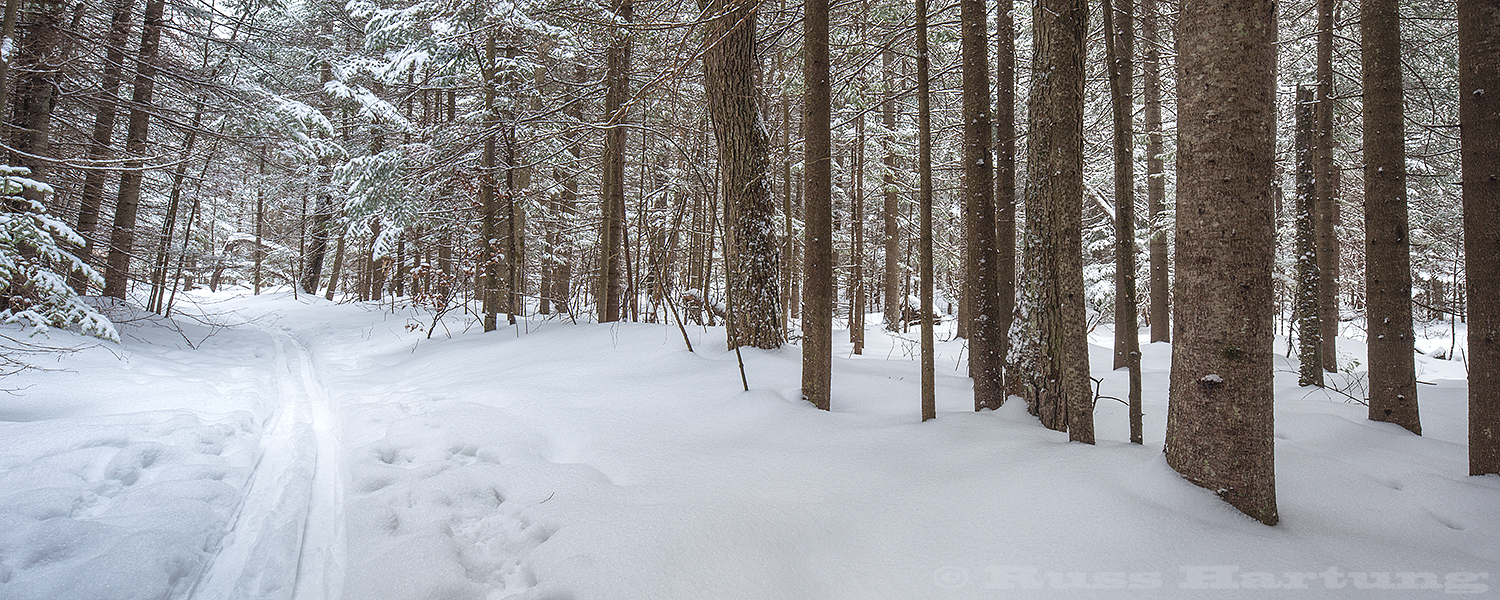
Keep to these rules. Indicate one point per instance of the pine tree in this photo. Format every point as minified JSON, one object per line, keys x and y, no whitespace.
{"x":986,"y":339}
{"x":1219,"y":422}
{"x":817,"y":293}
{"x":1479,"y":115}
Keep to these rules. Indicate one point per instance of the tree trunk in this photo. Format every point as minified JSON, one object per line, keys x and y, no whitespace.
{"x":92,"y":197}
{"x":986,"y":339}
{"x":1005,"y":173}
{"x":891,"y":209}
{"x":489,"y":203}
{"x":1479,"y":114}
{"x":122,"y":241}
{"x":1156,"y":184}
{"x":157,"y":301}
{"x":1393,"y":377}
{"x":1120,"y":37}
{"x":1326,"y":181}
{"x":817,"y":293}
{"x":1061,"y":393}
{"x":1309,"y":332}
{"x":1219,"y":419}
{"x":260,"y":220}
{"x":323,"y":209}
{"x":924,"y":252}
{"x":744,"y":161}
{"x":857,"y":242}
{"x":612,"y":200}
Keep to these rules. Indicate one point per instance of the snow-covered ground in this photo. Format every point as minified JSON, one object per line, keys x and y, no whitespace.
{"x":280,"y":447}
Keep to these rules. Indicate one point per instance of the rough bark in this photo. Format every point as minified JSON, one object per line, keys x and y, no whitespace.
{"x":1060,"y":392}
{"x":1326,"y":181}
{"x":817,"y":293}
{"x":122,"y":240}
{"x":1309,"y":332}
{"x":1393,"y":377}
{"x":489,"y":201}
{"x":986,"y":339}
{"x":745,"y":165}
{"x":1479,"y":116}
{"x":1219,"y":420}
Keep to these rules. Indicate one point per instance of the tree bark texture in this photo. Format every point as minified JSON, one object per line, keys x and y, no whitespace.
{"x":610,"y":291}
{"x":1392,"y":364}
{"x":1326,"y":182}
{"x":1219,"y":419}
{"x":1479,"y":116}
{"x":986,"y":339}
{"x":1309,"y":332}
{"x":1156,"y":184}
{"x":817,"y":293}
{"x":122,"y":239}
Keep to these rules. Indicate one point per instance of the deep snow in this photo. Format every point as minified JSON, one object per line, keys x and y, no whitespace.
{"x":279,"y":447}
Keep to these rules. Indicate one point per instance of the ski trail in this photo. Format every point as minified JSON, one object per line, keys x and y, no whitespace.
{"x":287,"y":540}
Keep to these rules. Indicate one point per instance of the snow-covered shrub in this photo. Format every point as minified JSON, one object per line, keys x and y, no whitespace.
{"x":35,"y":266}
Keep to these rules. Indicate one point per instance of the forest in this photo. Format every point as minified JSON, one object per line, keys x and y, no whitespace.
{"x":1244,"y":207}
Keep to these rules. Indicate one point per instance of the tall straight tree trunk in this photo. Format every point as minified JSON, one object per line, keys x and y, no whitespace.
{"x":157,"y":301}
{"x":924,"y":250}
{"x":1119,"y":31}
{"x":1005,"y":172}
{"x":7,"y":36}
{"x":612,"y":200}
{"x":1309,"y":332}
{"x":857,"y":242}
{"x":1479,"y":114}
{"x":1326,"y":181}
{"x":1061,"y":393}
{"x":986,"y":339}
{"x":1219,"y":421}
{"x":745,"y":166}
{"x":1393,"y":376}
{"x":489,"y":202}
{"x":789,"y":242}
{"x":1156,"y":184}
{"x":817,"y":263}
{"x":891,"y":211}
{"x":92,"y":197}
{"x":122,"y":241}
{"x":260,"y":221}
{"x":323,"y":208}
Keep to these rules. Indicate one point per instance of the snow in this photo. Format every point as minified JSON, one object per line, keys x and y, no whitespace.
{"x":289,"y":447}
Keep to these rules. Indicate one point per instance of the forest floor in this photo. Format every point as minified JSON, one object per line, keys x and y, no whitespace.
{"x":287,"y":447}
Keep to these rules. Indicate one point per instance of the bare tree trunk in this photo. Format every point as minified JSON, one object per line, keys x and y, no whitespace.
{"x":1005,"y":173}
{"x":1479,"y":112}
{"x":157,"y":301}
{"x":817,"y":295}
{"x":260,"y":221}
{"x":1219,"y":420}
{"x":1061,"y":394}
{"x":892,"y":209}
{"x":92,"y":197}
{"x":323,"y":208}
{"x":1156,"y":185}
{"x":612,"y":207}
{"x":122,"y":241}
{"x":1326,"y":180}
{"x":1309,"y":332}
{"x":986,"y":339}
{"x":924,"y":171}
{"x":857,"y":242}
{"x":1119,"y":32}
{"x":489,"y":226}
{"x":1393,"y":375}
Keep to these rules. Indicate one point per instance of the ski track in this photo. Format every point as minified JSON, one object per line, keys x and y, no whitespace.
{"x":287,"y":541}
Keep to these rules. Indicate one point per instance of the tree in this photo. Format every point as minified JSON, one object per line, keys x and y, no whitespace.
{"x":1156,"y":185}
{"x":1120,"y":47}
{"x":1060,"y":392}
{"x":1005,"y":172}
{"x":891,"y":209}
{"x":1393,"y":377}
{"x":1479,"y":116}
{"x":817,"y":293}
{"x":986,"y":339}
{"x":1219,"y":422}
{"x":121,"y":243}
{"x":924,"y":170}
{"x":1326,"y":183}
{"x":1309,"y":331}
{"x":92,"y":197}
{"x":729,"y":65}
{"x":612,"y":193}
